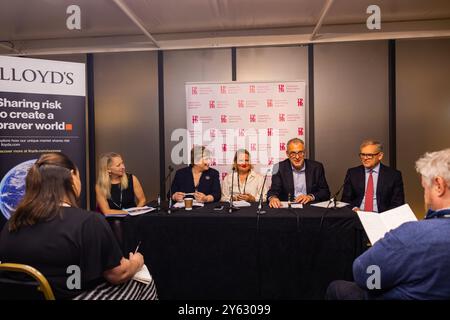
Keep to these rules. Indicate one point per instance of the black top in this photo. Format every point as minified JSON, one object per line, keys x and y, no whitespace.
{"x":209,"y":183}
{"x":77,"y":237}
{"x":283,"y":181}
{"x":389,"y":191}
{"x":122,"y":199}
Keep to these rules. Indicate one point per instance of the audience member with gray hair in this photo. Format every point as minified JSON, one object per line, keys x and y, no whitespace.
{"x":413,"y":259}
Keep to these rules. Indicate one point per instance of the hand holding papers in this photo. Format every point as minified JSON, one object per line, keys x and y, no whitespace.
{"x":377,"y":225}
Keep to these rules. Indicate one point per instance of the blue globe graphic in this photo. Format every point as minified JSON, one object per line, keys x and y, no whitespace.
{"x":12,"y":187}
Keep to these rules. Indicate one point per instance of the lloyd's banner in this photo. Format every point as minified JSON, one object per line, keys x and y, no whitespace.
{"x":258,"y":116}
{"x":42,"y":109}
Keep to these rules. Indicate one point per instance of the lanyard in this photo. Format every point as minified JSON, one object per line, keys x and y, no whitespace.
{"x":239,"y":183}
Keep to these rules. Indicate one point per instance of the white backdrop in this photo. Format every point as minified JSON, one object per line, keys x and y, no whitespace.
{"x":258,"y":116}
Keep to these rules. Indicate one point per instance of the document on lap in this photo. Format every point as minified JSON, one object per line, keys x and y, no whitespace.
{"x":377,"y":225}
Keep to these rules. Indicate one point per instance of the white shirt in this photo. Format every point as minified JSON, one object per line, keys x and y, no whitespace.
{"x":252,"y":186}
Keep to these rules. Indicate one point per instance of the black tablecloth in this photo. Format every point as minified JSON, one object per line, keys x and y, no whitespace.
{"x":283,"y":254}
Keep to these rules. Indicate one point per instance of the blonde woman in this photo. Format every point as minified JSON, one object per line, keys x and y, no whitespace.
{"x":117,"y":190}
{"x":247,"y":183}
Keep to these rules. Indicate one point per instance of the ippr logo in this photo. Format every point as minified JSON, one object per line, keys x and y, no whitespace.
{"x":300,"y":131}
{"x":213,"y":162}
{"x":269,"y":103}
{"x":224,"y":147}
{"x":212,"y":133}
{"x":299,"y":102}
{"x":223,"y":89}
{"x":282,"y":146}
{"x":194,"y":90}
{"x":212,"y":104}
{"x":269,"y":132}
{"x":252,"y":146}
{"x":241,"y":132}
{"x":281,"y":117}
{"x":252,"y":89}
{"x":253,"y":118}
{"x":281,"y":88}
{"x":240,"y":103}
{"x":223,"y":118}
{"x":194,"y":119}
{"x":270,"y":162}
{"x":224,"y":174}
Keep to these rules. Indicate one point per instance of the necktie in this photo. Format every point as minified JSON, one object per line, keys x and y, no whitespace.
{"x":368,"y":204}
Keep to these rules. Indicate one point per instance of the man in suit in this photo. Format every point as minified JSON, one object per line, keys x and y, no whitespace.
{"x":373,"y":186}
{"x":301,"y":179}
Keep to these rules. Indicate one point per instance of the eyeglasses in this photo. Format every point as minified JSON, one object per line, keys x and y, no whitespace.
{"x":368,"y":155}
{"x":296,"y":154}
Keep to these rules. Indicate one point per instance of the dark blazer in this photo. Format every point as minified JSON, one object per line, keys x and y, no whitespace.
{"x":283,"y":181}
{"x":389,"y":191}
{"x":209,"y":183}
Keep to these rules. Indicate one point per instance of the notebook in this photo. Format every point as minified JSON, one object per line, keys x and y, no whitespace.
{"x":143,"y":275}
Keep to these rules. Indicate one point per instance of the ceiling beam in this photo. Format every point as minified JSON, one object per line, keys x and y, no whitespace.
{"x":136,"y":20}
{"x":324,"y":12}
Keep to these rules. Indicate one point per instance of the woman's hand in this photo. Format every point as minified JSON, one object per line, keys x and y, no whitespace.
{"x":201,"y":197}
{"x":246,"y":197}
{"x":178,"y":196}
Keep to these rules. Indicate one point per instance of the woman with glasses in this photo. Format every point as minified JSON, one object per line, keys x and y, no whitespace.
{"x":197,"y":179}
{"x":247,"y":183}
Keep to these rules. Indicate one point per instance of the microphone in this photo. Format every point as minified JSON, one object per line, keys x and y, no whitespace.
{"x":169,"y":176}
{"x":261,"y":194}
{"x":232,"y":208}
{"x":333,"y":198}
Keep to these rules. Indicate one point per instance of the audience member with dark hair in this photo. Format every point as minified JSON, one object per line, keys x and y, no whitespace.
{"x":49,"y":232}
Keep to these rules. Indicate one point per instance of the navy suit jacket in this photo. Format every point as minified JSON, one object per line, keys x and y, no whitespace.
{"x":283,"y":181}
{"x":389,"y":191}
{"x":209,"y":183}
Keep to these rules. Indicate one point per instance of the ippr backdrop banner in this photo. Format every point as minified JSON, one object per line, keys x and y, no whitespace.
{"x":258,"y":116}
{"x":42,"y":109}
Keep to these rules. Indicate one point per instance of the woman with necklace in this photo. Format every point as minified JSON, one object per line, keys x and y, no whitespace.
{"x":198,"y":179}
{"x":247,"y":184}
{"x":117,"y":190}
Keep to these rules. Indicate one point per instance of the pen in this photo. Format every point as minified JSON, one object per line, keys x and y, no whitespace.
{"x":137,"y":248}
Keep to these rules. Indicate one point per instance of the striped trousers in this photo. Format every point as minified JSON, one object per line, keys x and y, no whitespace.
{"x":130,"y":290}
